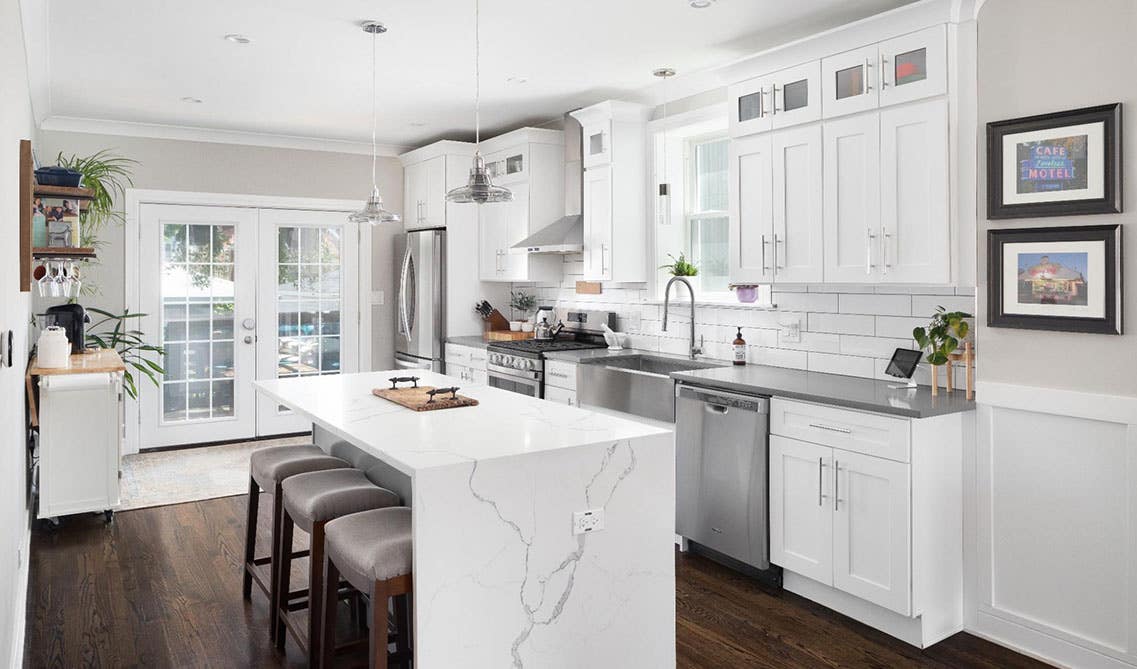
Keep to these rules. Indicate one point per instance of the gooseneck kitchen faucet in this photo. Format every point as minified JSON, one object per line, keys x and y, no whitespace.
{"x":694,"y":350}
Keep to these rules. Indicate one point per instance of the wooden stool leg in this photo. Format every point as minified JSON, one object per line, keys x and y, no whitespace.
{"x":315,"y":590}
{"x":328,"y":601}
{"x":379,"y":597}
{"x":403,"y":633}
{"x":274,"y":557}
{"x":250,"y":538}
{"x":284,"y":576}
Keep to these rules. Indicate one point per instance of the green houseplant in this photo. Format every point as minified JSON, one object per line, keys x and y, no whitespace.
{"x":680,"y":266}
{"x":941,"y":339}
{"x":522,"y":302}
{"x":108,"y":175}
{"x":113,"y":332}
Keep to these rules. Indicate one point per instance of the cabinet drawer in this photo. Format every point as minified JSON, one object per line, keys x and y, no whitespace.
{"x":868,"y":433}
{"x":457,"y":355}
{"x":560,"y":395}
{"x":560,"y":374}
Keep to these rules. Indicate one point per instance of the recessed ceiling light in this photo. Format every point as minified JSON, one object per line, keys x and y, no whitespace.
{"x":417,"y":124}
{"x":517,"y":80}
{"x":700,"y":4}
{"x":238,"y":39}
{"x":190,"y":100}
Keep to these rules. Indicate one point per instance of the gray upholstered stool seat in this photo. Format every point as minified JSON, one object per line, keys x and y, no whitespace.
{"x":371,"y":545}
{"x":269,"y":466}
{"x":310,"y":501}
{"x":322,"y":496}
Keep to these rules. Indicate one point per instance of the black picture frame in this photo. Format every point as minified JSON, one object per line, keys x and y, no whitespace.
{"x":1109,"y":203}
{"x":1110,"y":323}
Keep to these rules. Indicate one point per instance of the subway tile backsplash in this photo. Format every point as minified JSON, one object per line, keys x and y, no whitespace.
{"x":844,"y":329}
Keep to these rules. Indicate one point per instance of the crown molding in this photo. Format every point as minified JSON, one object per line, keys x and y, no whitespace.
{"x":212,"y":135}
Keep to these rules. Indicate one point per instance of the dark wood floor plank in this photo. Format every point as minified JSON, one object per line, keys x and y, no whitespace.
{"x":161,"y":587}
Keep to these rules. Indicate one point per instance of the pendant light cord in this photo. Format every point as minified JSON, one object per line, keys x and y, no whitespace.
{"x":374,"y":103}
{"x":477,"y":74}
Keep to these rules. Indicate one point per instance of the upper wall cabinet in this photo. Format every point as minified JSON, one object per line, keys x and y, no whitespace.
{"x":615,"y":173}
{"x":530,"y":162}
{"x":903,"y":69}
{"x":424,"y":194}
{"x":779,"y":100}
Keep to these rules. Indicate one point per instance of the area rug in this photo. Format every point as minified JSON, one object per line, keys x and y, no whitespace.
{"x":191,"y":474}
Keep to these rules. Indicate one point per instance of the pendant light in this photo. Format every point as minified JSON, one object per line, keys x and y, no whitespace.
{"x":373,"y":212}
{"x":480,"y":188}
{"x":664,"y":198}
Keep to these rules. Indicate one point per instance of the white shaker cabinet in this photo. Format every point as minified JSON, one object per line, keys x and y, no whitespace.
{"x":615,"y":209}
{"x":775,"y":212}
{"x":850,"y":82}
{"x":785,"y":98}
{"x":530,"y":162}
{"x":852,"y":199}
{"x":913,"y":66}
{"x":871,"y":547}
{"x":886,"y":196}
{"x":801,"y":517}
{"x":915,"y":230}
{"x":424,"y":194}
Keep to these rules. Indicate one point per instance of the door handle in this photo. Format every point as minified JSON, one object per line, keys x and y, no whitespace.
{"x":868,"y":81}
{"x":716,"y":409}
{"x":249,"y":324}
{"x":404,"y":323}
{"x":836,"y":483}
{"x":820,"y":482}
{"x":774,"y":98}
{"x":822,"y":426}
{"x":248,"y":339}
{"x":885,"y":235}
{"x":883,"y":76}
{"x":776,"y":242}
{"x":765,"y":243}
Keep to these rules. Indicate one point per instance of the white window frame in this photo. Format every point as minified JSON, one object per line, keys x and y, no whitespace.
{"x":691,"y":196}
{"x":704,"y":121}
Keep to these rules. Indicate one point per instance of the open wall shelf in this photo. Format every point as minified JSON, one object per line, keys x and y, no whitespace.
{"x":29,"y":190}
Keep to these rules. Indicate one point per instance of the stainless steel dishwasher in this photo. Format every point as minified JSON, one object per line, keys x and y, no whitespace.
{"x":721,"y":477}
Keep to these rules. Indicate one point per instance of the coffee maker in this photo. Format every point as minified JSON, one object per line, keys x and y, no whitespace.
{"x":72,"y":318}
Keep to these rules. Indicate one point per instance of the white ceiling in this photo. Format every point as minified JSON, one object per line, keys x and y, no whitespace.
{"x":307,"y":72}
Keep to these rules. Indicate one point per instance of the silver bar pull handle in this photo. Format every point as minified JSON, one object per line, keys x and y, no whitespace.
{"x":765,"y":243}
{"x":869,"y":236}
{"x":883,"y":72}
{"x":822,"y":426}
{"x":885,"y":235}
{"x":868,"y":80}
{"x":836,"y":483}
{"x":774,"y":97}
{"x":821,"y":482}
{"x":776,"y":242}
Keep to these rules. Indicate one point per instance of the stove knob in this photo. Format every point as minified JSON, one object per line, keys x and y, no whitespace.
{"x":530,"y":365}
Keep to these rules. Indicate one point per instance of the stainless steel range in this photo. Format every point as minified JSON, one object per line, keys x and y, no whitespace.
{"x":519,"y":366}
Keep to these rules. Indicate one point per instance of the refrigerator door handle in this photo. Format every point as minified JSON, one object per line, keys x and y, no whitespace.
{"x":404,"y":277}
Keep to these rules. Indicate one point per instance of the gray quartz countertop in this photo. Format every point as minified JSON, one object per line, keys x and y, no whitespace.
{"x":475,"y":341}
{"x":833,"y":389}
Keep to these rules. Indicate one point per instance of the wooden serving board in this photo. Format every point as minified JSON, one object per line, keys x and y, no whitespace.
{"x":415,"y":399}
{"x":506,"y":335}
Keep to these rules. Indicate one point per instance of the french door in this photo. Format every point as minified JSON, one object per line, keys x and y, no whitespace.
{"x":235,"y":294}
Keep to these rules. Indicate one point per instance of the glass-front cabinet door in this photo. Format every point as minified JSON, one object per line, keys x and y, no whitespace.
{"x":795,"y":95}
{"x":913,"y":66}
{"x":597,"y":142}
{"x":750,"y":107}
{"x":850,"y":82}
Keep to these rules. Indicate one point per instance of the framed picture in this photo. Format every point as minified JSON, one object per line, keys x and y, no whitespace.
{"x":60,"y":222}
{"x":1066,"y":279}
{"x":1061,"y":164}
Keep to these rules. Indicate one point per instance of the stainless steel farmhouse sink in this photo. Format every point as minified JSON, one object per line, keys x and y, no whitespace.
{"x":638,"y":383}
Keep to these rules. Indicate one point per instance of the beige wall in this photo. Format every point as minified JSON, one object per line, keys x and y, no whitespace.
{"x":15,"y":124}
{"x":247,"y":170}
{"x":1021,"y":73}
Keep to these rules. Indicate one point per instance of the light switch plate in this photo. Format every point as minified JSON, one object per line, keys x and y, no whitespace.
{"x":790,"y":331}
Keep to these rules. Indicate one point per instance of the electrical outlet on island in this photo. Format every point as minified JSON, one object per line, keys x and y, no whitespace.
{"x":584,"y":522}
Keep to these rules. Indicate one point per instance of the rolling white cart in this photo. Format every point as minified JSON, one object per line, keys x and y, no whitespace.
{"x":80,"y":423}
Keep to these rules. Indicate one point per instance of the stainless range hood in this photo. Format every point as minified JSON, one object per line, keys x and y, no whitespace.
{"x":565,"y":235}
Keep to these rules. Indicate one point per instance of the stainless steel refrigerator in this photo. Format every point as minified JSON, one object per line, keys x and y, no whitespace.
{"x":421,"y":300}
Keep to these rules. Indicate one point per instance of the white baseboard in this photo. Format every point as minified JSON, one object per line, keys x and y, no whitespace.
{"x":20,"y":603}
{"x":1040,"y":646}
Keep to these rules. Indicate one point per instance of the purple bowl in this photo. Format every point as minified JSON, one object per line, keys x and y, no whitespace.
{"x":747,"y":293}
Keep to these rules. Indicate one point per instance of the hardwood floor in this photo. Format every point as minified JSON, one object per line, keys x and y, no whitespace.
{"x":161,"y":587}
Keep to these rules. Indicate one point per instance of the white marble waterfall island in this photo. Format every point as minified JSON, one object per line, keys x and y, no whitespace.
{"x":500,"y":579}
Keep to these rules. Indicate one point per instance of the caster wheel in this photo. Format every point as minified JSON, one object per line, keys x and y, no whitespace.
{"x":108,"y":515}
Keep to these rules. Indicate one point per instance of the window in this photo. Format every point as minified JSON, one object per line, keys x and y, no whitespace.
{"x":705,"y":211}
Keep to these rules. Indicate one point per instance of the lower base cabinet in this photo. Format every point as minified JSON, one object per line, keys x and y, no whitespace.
{"x":466,"y":363}
{"x":560,"y":382}
{"x":868,"y":509}
{"x":560,"y":395}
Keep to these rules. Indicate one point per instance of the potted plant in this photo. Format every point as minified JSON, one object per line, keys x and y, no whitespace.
{"x":941,"y":339}
{"x":522,"y":303}
{"x":680,"y":266}
{"x":113,"y":332}
{"x":108,"y":176}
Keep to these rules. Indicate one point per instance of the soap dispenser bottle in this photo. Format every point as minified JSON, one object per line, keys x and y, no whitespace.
{"x":739,"y":346}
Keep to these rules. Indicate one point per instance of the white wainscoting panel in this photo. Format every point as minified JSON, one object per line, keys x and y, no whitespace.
{"x":1055,"y":524}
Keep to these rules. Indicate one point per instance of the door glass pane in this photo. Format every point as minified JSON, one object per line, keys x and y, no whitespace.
{"x":709,"y":240}
{"x":750,"y":106}
{"x":596,"y":144}
{"x":850,"y":82}
{"x":795,"y":95}
{"x":197,"y":291}
{"x":910,"y":67}
{"x":309,"y":296}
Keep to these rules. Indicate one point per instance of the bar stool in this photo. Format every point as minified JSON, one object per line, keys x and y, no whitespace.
{"x":310,"y":501}
{"x":268,"y":468}
{"x":372,"y":550}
